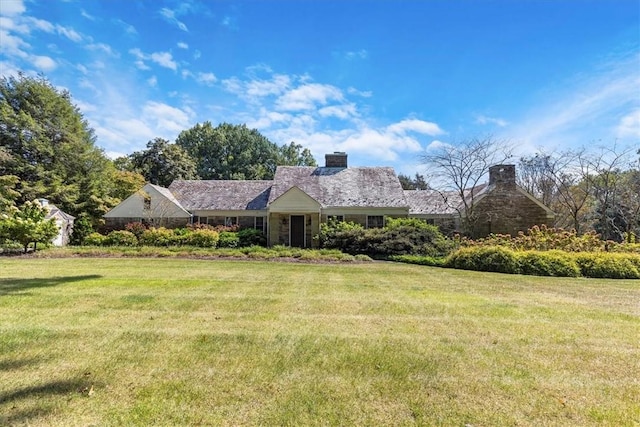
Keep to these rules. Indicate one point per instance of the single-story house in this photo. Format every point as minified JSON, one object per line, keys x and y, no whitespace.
{"x":290,"y":208}
{"x":63,"y":221}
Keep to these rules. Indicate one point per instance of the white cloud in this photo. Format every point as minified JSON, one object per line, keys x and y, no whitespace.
{"x":86,"y":15}
{"x":165,"y":118}
{"x":308,"y":96}
{"x":102,"y":47}
{"x":436,"y":145}
{"x":629,"y":125}
{"x":12,"y":7}
{"x":182,"y":45}
{"x":343,"y":111}
{"x":586,"y":110}
{"x":170,"y":16}
{"x":206,"y":78}
{"x":197,"y":54}
{"x":128,"y":28}
{"x":69,"y":33}
{"x":360,"y":54}
{"x":415,"y":125}
{"x":152,"y":81}
{"x":164,"y":59}
{"x":485,"y":120}
{"x":43,"y":63}
{"x":364,"y":94}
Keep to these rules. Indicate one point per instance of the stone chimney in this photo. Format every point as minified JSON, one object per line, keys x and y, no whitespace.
{"x":336,"y":160}
{"x":503,"y":176}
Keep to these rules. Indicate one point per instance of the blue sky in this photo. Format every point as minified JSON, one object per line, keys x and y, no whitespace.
{"x":384,"y":81}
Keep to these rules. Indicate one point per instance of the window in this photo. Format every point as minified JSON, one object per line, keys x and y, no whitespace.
{"x":147,"y":203}
{"x":259,"y":223}
{"x":335,"y":218}
{"x":230,"y":221}
{"x":375,"y":221}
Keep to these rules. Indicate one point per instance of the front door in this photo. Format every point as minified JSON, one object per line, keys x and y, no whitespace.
{"x":296,"y":233}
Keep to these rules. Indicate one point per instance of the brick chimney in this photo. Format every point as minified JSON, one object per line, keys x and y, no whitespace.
{"x":503,"y":176}
{"x":336,"y":160}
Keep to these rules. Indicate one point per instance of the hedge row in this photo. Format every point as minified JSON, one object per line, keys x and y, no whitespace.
{"x":546,"y":263}
{"x":199,"y":237}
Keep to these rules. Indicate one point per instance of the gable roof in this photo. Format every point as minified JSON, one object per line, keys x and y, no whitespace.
{"x":221,"y":194}
{"x":343,"y":187}
{"x":430,"y":202}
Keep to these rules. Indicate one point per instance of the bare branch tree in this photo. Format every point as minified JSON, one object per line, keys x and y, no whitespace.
{"x":457,"y":169}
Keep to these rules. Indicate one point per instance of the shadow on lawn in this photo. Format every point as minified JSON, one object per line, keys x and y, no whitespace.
{"x":11,"y":285}
{"x":17,"y":415}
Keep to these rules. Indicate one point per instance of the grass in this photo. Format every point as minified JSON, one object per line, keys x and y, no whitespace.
{"x":165,"y":341}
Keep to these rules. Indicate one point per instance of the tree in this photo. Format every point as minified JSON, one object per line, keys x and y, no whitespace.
{"x":230,"y":151}
{"x":51,"y":148}
{"x":295,"y":155}
{"x":458,"y":168}
{"x":28,"y":225}
{"x":162,"y":162}
{"x":126,"y":183}
{"x":416,"y":183}
{"x":607,"y":179}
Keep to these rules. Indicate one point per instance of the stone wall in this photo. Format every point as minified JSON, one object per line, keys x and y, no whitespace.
{"x":507,"y":212}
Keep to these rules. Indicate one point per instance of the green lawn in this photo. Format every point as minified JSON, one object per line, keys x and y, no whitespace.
{"x":198,"y":342}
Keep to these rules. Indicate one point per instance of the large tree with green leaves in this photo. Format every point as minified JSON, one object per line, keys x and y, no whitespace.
{"x":237,"y":152}
{"x":162,"y":162}
{"x":50,"y":148}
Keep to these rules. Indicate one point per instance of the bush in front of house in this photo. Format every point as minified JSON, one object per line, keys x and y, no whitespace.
{"x":609,"y":265}
{"x":157,"y":237}
{"x":120,"y":238}
{"x":94,"y":239}
{"x":401,"y":236}
{"x":545,"y":263}
{"x":248,"y":237}
{"x":202,"y":238}
{"x":228,"y":239}
{"x":485,"y":258}
{"x":549,"y":263}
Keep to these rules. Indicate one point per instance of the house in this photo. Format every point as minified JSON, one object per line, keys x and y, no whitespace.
{"x":63,"y":221}
{"x":290,"y":208}
{"x":499,"y":207}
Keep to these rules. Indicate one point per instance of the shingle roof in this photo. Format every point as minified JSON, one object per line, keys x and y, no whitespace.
{"x":429,"y":202}
{"x":169,"y":195}
{"x":433,"y":202}
{"x":221,"y":195}
{"x":54,"y":211}
{"x":345,"y":187}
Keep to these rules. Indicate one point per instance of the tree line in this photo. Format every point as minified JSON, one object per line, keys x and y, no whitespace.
{"x":48,"y":150}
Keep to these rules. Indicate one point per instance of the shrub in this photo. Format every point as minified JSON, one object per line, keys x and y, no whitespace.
{"x":94,"y":239}
{"x":490,"y":258}
{"x":157,"y":237}
{"x":203,"y":238}
{"x":121,"y":238}
{"x":418,"y":259}
{"x":228,"y":239}
{"x":137,"y":228}
{"x":251,"y":237}
{"x":551,"y":263}
{"x":400,"y":236}
{"x":608,"y":265}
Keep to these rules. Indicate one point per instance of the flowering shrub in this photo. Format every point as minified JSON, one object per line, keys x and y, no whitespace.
{"x":543,"y":238}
